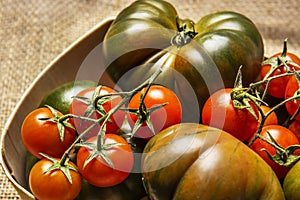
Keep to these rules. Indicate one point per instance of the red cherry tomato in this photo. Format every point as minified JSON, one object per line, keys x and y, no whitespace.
{"x":42,"y":136}
{"x":219,"y":112}
{"x":284,"y":137}
{"x":271,"y":119}
{"x":295,"y":128}
{"x":161,"y":118}
{"x":277,"y":86}
{"x":87,"y":108}
{"x":53,"y":184}
{"x":291,"y":88}
{"x":98,"y":172}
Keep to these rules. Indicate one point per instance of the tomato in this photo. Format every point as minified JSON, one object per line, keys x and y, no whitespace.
{"x":61,"y":97}
{"x":219,"y":111}
{"x":98,"y":172}
{"x":198,"y":57}
{"x":86,"y":108}
{"x":54,"y":184}
{"x":43,"y":136}
{"x":291,"y":183}
{"x":271,"y":119}
{"x":295,"y":128}
{"x":291,"y":88}
{"x":131,"y":188}
{"x":284,"y":137}
{"x":160,"y":118}
{"x":194,"y":161}
{"x":273,"y":66}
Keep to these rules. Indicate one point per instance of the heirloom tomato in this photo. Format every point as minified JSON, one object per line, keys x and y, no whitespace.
{"x":53,"y":184}
{"x":194,"y":161}
{"x":197,"y":58}
{"x":84,"y":104}
{"x":291,"y":90}
{"x":291,"y":183}
{"x":43,"y":133}
{"x":284,"y":137}
{"x":161,"y":109}
{"x":110,"y":165}
{"x":219,"y":111}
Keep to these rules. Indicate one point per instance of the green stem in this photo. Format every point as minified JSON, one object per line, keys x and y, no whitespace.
{"x":264,"y":116}
{"x":100,"y":140}
{"x":126,"y":98}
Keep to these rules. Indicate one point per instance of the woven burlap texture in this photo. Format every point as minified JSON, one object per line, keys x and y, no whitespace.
{"x":34,"y":32}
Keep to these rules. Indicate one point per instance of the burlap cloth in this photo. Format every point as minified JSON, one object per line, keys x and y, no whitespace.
{"x":34,"y":32}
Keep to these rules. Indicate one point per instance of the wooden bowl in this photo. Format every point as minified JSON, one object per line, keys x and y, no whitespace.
{"x":81,"y":60}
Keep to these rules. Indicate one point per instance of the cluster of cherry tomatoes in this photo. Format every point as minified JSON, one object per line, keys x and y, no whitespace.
{"x":92,"y":129}
{"x":97,"y":116}
{"x":254,"y":114}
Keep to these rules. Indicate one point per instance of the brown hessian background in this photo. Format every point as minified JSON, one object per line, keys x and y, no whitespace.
{"x":34,"y":32}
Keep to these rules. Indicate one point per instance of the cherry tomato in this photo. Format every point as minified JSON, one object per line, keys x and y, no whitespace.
{"x":271,"y":119}
{"x":98,"y":171}
{"x":295,"y":128}
{"x":219,"y":112}
{"x":277,"y":86}
{"x":42,"y":136}
{"x":54,"y":184}
{"x":161,"y":118}
{"x":87,"y":108}
{"x":291,"y":88}
{"x":284,"y":137}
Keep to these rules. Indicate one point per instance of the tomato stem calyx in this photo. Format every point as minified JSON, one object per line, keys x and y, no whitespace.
{"x":186,"y":32}
{"x":284,"y":156}
{"x":62,"y":165}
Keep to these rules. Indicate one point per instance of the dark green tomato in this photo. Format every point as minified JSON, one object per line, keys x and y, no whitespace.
{"x":291,"y":183}
{"x":194,"y":161}
{"x":60,"y":98}
{"x":131,"y":188}
{"x":30,"y":161}
{"x":197,"y":58}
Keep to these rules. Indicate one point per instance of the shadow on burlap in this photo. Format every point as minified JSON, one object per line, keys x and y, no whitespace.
{"x":34,"y":32}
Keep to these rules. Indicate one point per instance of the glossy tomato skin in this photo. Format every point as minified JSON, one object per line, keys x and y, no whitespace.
{"x":131,"y":188}
{"x":79,"y":108}
{"x":291,"y":88}
{"x":219,"y":112}
{"x":284,"y":137}
{"x":295,"y":128}
{"x":221,"y":43}
{"x":271,"y":119}
{"x":205,"y":163}
{"x":97,"y":172}
{"x":291,"y":183}
{"x":277,"y":86}
{"x":41,"y":136}
{"x":61,"y":97}
{"x":162,"y":118}
{"x":54,"y":184}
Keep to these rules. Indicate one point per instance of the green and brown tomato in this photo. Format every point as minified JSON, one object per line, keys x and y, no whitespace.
{"x":197,"y":58}
{"x":194,"y":161}
{"x":61,"y":97}
{"x":291,"y":183}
